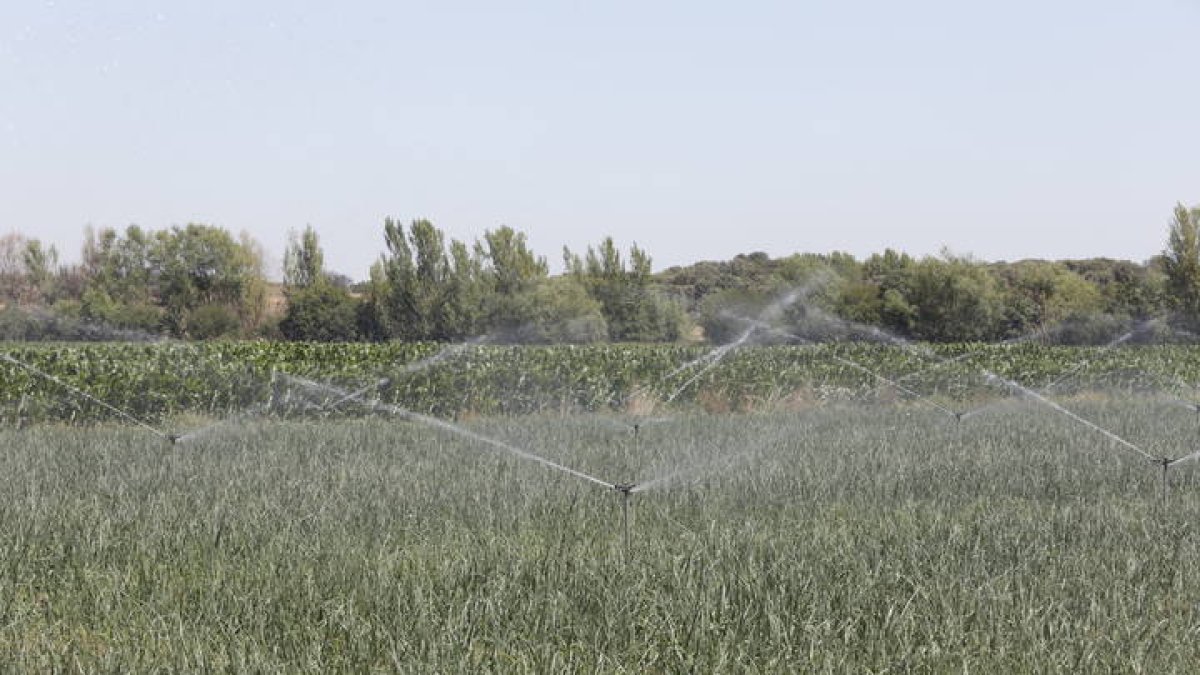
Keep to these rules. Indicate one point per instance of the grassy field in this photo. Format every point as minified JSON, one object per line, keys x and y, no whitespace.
{"x":879,"y":538}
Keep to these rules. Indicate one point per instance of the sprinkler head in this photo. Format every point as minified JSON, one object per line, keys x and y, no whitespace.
{"x":174,"y":438}
{"x":1164,"y":462}
{"x":624,"y":488}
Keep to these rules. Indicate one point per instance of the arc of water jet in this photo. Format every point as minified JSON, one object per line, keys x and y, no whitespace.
{"x":1025,"y":391}
{"x":880,"y":378}
{"x":204,"y":430}
{"x":1172,"y":398}
{"x":1185,"y":458}
{"x":443,"y":354}
{"x":79,"y":392}
{"x":712,"y":358}
{"x":942,"y":362}
{"x":467,"y":433}
{"x":357,"y":394}
{"x":1087,"y":362}
{"x":1062,"y":378}
{"x":919,"y":396}
{"x":719,"y":354}
{"x":694,"y":473}
{"x":936,"y":366}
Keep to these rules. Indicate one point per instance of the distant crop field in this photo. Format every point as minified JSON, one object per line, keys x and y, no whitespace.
{"x":163,"y":380}
{"x":849,"y":537}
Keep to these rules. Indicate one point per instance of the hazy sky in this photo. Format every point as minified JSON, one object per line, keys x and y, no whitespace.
{"x":697,"y":129}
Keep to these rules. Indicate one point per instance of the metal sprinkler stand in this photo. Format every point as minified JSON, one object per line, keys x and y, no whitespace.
{"x":174,"y":438}
{"x":626,"y":489}
{"x":1165,"y":463}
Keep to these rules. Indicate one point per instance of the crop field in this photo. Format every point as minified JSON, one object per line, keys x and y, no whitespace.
{"x":845,"y":536}
{"x":160,"y":381}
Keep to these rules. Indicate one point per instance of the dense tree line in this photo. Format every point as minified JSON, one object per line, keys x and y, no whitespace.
{"x":200,"y":282}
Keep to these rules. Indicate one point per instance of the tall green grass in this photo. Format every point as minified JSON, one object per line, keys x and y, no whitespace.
{"x":877,"y":538}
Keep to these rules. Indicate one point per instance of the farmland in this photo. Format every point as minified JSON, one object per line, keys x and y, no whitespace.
{"x":158,"y":381}
{"x":794,"y":513}
{"x":845,"y":538}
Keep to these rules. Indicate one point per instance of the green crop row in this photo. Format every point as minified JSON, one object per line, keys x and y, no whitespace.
{"x":85,"y":383}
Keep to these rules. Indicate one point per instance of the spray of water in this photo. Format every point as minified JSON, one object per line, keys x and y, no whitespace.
{"x":1029,"y":393}
{"x":237,"y":418}
{"x":717,"y":356}
{"x":443,"y":354}
{"x":944,"y":362}
{"x":443,"y":425}
{"x":710,"y":359}
{"x":875,"y":375}
{"x":1074,"y":370}
{"x":55,"y":326}
{"x":771,"y":313}
{"x":1186,"y":458}
{"x":917,"y":395}
{"x":693,"y":473}
{"x":83,"y":394}
{"x":1077,"y":368}
{"x":334,"y":397}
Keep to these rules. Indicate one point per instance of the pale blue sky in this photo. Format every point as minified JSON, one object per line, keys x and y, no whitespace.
{"x":698,"y":129}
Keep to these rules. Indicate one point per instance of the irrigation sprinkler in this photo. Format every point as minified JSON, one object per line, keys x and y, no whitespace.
{"x":626,"y":490}
{"x":1165,"y":463}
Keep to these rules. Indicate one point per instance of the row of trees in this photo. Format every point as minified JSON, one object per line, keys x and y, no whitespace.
{"x":200,"y":282}
{"x":427,"y":288}
{"x":196,"y":281}
{"x":937,"y":298}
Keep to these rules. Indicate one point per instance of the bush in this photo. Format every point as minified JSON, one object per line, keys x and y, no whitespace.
{"x":320,"y":313}
{"x":213,"y":321}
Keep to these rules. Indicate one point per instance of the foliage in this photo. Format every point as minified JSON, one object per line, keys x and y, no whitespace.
{"x":147,"y":280}
{"x":840,"y":539}
{"x":166,"y":379}
{"x":428,"y":287}
{"x":1181,"y":262}
{"x":303,"y":259}
{"x":320,"y":312}
{"x":633,"y":308}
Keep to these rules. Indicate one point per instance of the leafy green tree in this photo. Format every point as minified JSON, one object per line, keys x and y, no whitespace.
{"x":1129,"y":289}
{"x":467,"y":294}
{"x":303,"y":259}
{"x":511,"y":273}
{"x":1040,"y":294}
{"x":416,"y":272}
{"x":212,"y":321}
{"x":201,"y":265}
{"x":955,"y":300}
{"x":121,"y":275}
{"x":320,"y":312}
{"x":16,"y":286}
{"x":41,"y":271}
{"x":563,"y":312}
{"x":372,"y":315}
{"x":1181,"y":262}
{"x":635,"y":309}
